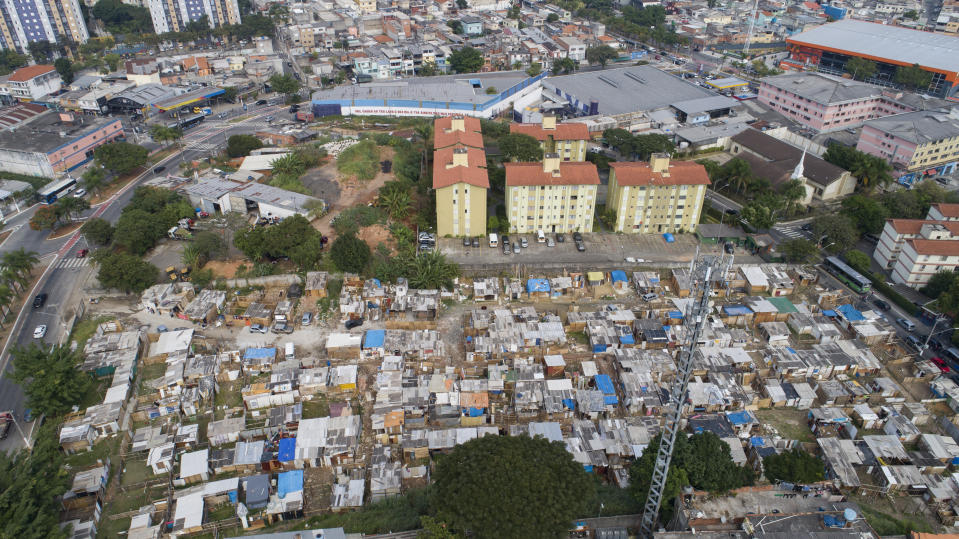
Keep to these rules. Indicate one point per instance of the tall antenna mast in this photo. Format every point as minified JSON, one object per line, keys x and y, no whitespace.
{"x":701,"y":271}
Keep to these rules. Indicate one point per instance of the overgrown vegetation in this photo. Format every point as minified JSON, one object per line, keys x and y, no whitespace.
{"x":292,"y":238}
{"x":361,"y":160}
{"x":50,"y":378}
{"x":796,"y":466}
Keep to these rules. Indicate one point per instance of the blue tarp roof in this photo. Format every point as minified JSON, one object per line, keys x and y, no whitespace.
{"x":287,"y":450}
{"x":737,"y":310}
{"x":287,"y":482}
{"x":378,"y":283}
{"x":374,"y":338}
{"x":569,"y":403}
{"x":626,"y":339}
{"x":599,"y":348}
{"x":669,"y":237}
{"x":740,"y":418}
{"x":676,"y":314}
{"x":610,"y":399}
{"x":757,"y":441}
{"x":259,"y":353}
{"x":850,"y":313}
{"x":537,"y":285}
{"x":604,"y":384}
{"x":476,"y":412}
{"x":829,"y":312}
{"x":618,"y":275}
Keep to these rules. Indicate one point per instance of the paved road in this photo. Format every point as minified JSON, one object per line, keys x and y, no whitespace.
{"x":67,"y":274}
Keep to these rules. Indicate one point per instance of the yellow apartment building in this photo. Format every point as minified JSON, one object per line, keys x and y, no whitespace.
{"x":552,"y":196}
{"x":461,"y":182}
{"x":568,"y":140}
{"x":656,"y":197}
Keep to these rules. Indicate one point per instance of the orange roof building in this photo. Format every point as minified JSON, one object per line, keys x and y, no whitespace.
{"x":457,"y":130}
{"x":552,"y":196}
{"x":657,"y":197}
{"x":569,"y":140}
{"x":459,"y":177}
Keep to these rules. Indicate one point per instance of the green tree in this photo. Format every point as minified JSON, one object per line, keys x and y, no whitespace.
{"x":138,"y":231}
{"x":65,"y":68}
{"x":469,"y":493}
{"x":867,"y":213}
{"x":21,"y":262}
{"x":162,"y":133}
{"x":535,"y":69}
{"x":520,"y":147}
{"x":913,"y":77}
{"x":456,"y":27}
{"x":71,"y":207}
{"x":427,"y":69}
{"x":798,"y":250}
{"x":350,"y":253}
{"x":835,"y":233}
{"x":285,"y":84}
{"x":492,"y":223}
{"x":10,"y":60}
{"x":911,"y":14}
{"x":31,"y":483}
{"x":552,"y":17}
{"x":289,"y":164}
{"x":50,"y":379}
{"x":396,"y":201}
{"x":758,"y":215}
{"x":462,"y":4}
{"x":435,"y":529}
{"x":229,"y":94}
{"x":940,"y":283}
{"x":121,"y":157}
{"x":113,"y":61}
{"x":601,"y":55}
{"x":861,"y":68}
{"x":94,"y":178}
{"x":125,"y":272}
{"x":242,"y":145}
{"x":432,"y":270}
{"x":466,"y":60}
{"x":120,"y":18}
{"x":564,"y":65}
{"x":41,"y":51}
{"x":796,"y":466}
{"x":46,"y":217}
{"x":858,"y":260}
{"x":641,"y":473}
{"x":97,"y":231}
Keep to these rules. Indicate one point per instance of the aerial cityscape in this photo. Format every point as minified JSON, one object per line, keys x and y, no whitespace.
{"x":350,"y":269}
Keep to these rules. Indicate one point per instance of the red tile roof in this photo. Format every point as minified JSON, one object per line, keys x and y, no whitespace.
{"x":564,"y":131}
{"x":948,"y":210}
{"x":474,"y":173}
{"x":912,"y":226}
{"x":570,"y":173}
{"x":26,"y":73}
{"x":680,"y":173}
{"x":935,"y":247}
{"x":443,"y":137}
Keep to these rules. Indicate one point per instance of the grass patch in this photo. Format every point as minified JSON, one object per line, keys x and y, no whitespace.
{"x":360,"y":160}
{"x":222,"y":512}
{"x":150,"y":372}
{"x":101,"y":451}
{"x":399,"y":513}
{"x":318,"y":406}
{"x":85,"y":328}
{"x":136,"y":471}
{"x":790,"y":423}
{"x":614,"y":500}
{"x":578,"y":337}
{"x":352,"y":219}
{"x":886,"y":524}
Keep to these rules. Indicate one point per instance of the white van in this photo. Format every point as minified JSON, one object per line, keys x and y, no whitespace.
{"x":493,"y":240}
{"x":290,"y":353}
{"x":540,"y":236}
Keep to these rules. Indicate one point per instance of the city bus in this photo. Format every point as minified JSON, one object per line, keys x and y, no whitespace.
{"x":852,"y":278}
{"x":187,"y":122}
{"x":55,"y":191}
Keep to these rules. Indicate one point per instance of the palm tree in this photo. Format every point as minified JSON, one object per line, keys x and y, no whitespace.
{"x":6,"y":296}
{"x":21,"y":261}
{"x":432,"y":270}
{"x":396,"y":202}
{"x":191,"y":256}
{"x":12,"y":279}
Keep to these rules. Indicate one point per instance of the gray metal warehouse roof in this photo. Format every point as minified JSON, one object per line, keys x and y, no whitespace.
{"x":927,"y":49}
{"x":705,"y":104}
{"x":919,"y":127}
{"x":445,"y":88}
{"x":627,"y":89}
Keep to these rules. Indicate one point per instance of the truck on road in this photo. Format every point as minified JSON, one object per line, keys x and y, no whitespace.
{"x":6,"y":421}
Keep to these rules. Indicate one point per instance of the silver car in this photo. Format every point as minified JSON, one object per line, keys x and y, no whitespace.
{"x":515,"y":248}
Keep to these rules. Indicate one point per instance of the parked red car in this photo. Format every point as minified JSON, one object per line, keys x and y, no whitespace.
{"x":940,"y":363}
{"x":82,"y":253}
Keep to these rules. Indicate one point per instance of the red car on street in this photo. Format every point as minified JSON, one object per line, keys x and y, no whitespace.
{"x":82,"y":253}
{"x":940,"y":363}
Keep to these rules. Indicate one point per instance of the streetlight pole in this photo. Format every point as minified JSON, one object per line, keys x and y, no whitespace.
{"x":932,"y":332}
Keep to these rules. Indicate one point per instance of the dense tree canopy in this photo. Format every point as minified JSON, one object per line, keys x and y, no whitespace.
{"x":242,"y":145}
{"x":31,"y":483}
{"x":293,"y":238}
{"x":601,"y":54}
{"x":515,"y":486}
{"x":285,"y":84}
{"x":860,"y":68}
{"x":914,"y":77}
{"x":147,"y":218}
{"x":120,"y":18}
{"x":350,"y":253}
{"x":10,"y":60}
{"x":97,"y":231}
{"x":50,"y":378}
{"x":835,"y":233}
{"x":121,"y":157}
{"x":796,"y":466}
{"x":520,"y":147}
{"x":640,"y":146}
{"x":798,"y":250}
{"x":466,"y":60}
{"x":125,"y":272}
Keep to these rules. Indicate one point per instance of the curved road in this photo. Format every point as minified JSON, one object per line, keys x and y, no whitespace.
{"x":64,"y":275}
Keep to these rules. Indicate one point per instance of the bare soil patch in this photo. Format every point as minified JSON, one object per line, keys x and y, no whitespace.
{"x":225,"y":268}
{"x":376,"y":234}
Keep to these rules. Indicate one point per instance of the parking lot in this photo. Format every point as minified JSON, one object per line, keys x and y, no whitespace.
{"x":600,"y":248}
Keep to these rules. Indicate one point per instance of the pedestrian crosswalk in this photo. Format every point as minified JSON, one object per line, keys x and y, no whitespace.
{"x":204,"y":146}
{"x":790,"y":232}
{"x":73,"y":263}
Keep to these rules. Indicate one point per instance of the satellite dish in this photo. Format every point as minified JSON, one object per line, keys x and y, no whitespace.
{"x":850,"y":514}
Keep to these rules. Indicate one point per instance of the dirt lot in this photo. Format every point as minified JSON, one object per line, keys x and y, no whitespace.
{"x":326,"y":183}
{"x":225,"y":268}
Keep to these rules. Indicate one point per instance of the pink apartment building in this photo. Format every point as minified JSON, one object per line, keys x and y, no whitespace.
{"x":827,"y":103}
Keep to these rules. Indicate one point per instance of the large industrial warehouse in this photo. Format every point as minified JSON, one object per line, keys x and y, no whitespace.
{"x":829,"y":46}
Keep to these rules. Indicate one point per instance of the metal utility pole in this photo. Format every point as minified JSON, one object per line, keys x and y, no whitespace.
{"x":701,"y":271}
{"x":752,"y":24}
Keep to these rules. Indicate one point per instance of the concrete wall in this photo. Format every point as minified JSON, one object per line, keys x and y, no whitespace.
{"x":29,"y":163}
